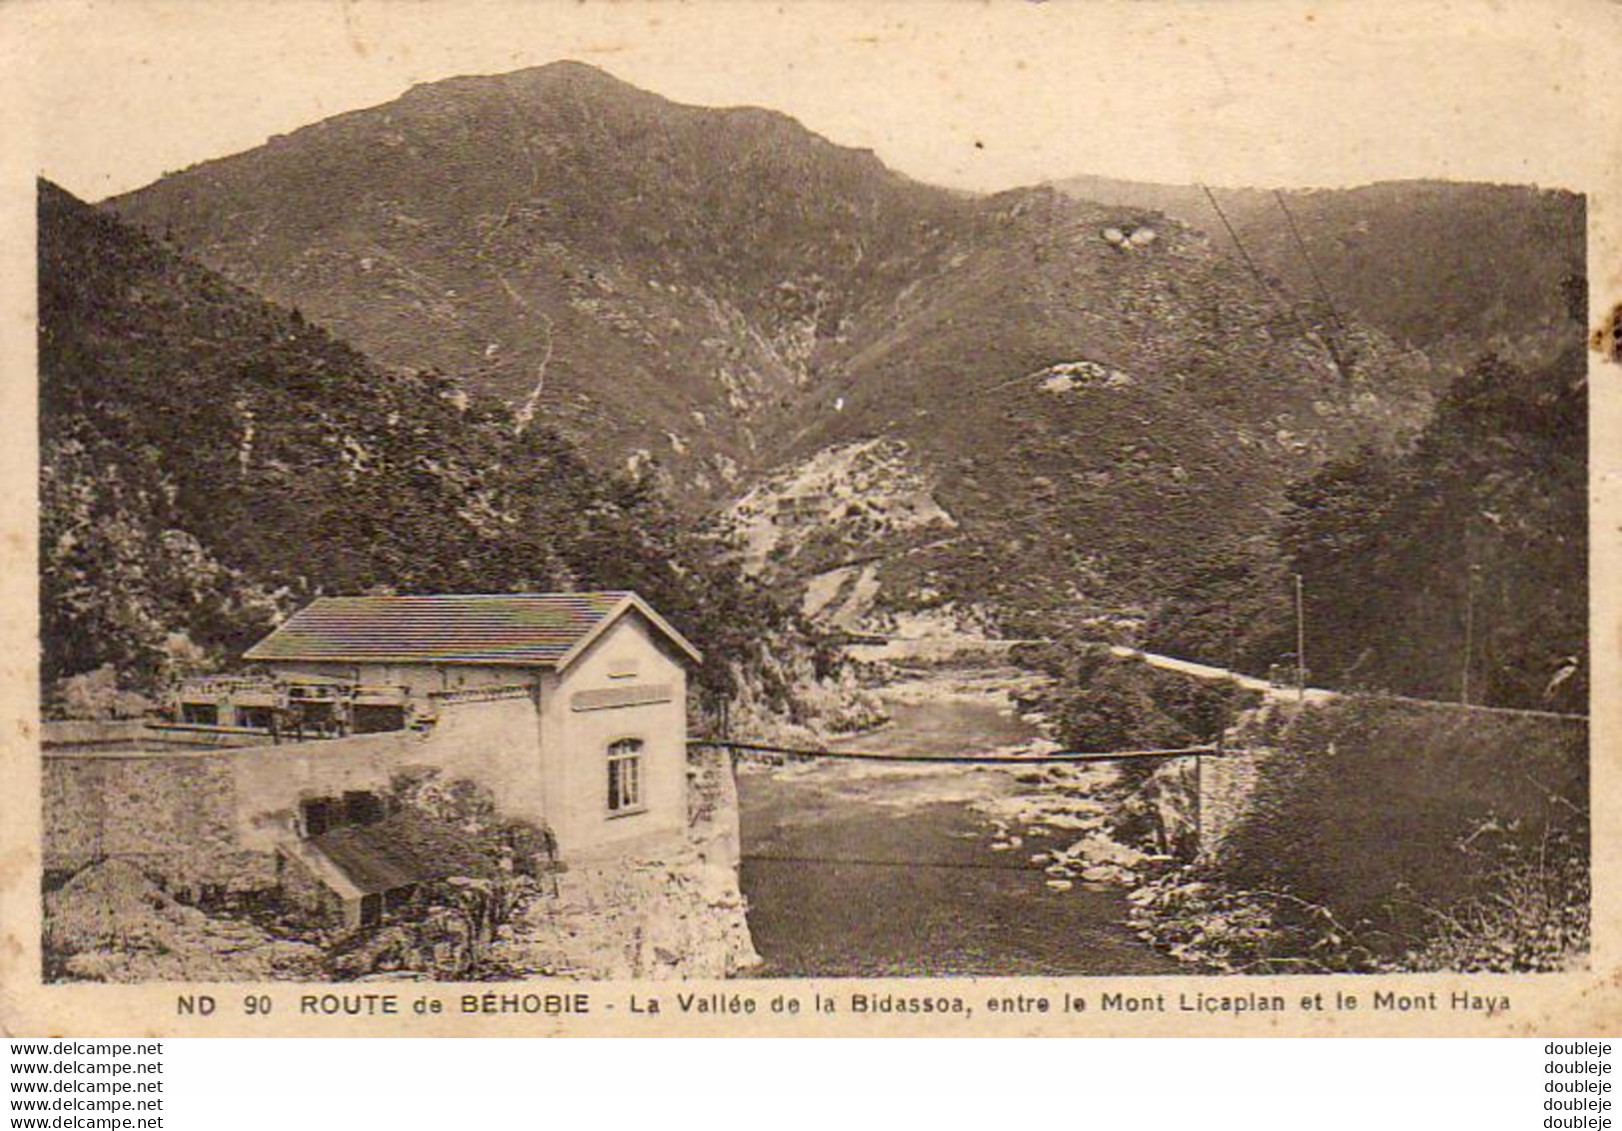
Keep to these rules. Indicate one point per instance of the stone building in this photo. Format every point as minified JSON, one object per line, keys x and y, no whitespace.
{"x":586,"y":731}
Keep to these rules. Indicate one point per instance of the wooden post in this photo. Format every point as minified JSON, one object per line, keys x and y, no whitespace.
{"x":1469,"y":630}
{"x":1199,"y":804}
{"x":1300,"y":644}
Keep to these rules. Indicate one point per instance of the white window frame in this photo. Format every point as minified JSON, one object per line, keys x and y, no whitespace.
{"x":626,"y":754}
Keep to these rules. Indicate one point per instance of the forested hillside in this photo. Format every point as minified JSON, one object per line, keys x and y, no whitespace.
{"x":1074,"y":409}
{"x":210,"y":461}
{"x":1460,"y":569}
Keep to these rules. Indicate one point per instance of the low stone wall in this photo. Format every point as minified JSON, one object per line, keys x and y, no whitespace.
{"x":1226,"y":782}
{"x":93,"y":732}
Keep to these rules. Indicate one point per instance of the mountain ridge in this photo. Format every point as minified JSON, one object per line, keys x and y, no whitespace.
{"x":1455,"y":268}
{"x":708,"y":298}
{"x":719,"y":345}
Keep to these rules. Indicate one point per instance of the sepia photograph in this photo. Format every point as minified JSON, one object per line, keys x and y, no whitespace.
{"x":536,"y":506}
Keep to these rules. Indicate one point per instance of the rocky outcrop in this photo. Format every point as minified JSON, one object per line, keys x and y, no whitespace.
{"x":673,"y":910}
{"x":112,"y":923}
{"x":671,"y":914}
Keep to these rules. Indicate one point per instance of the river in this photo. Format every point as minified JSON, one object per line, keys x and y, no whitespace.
{"x":856,"y":870}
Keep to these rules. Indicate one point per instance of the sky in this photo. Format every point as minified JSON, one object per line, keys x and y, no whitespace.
{"x":974,"y":95}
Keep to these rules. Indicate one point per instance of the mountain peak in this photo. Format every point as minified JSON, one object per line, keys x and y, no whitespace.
{"x":570,"y":85}
{"x":714,"y":298}
{"x":563,"y":74}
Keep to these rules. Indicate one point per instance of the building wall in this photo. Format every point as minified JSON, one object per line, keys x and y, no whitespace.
{"x":420,"y":680}
{"x":494,"y":742}
{"x":316,"y":888}
{"x":293,"y":669}
{"x":630,"y":655}
{"x":198,"y":815}
{"x":308,"y":893}
{"x":271,"y":781}
{"x":217,"y":817}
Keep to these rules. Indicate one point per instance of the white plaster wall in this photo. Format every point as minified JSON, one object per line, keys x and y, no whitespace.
{"x":292,"y":669}
{"x":577,"y":741}
{"x":497,"y":744}
{"x":424,"y":678}
{"x":494,"y":743}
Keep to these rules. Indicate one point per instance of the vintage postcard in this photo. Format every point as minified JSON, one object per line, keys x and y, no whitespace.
{"x":825,"y":518}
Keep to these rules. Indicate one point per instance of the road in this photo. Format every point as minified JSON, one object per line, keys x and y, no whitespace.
{"x":1221,"y":675}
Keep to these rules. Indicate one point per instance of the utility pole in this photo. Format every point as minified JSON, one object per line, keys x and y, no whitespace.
{"x":1300,"y":644}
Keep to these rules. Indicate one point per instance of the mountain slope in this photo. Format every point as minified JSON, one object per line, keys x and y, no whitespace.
{"x":1454,"y":269}
{"x":210,"y":461}
{"x":658,"y":272}
{"x":1094,"y":420}
{"x":1459,"y":568}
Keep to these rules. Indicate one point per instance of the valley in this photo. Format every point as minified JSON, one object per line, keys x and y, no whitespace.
{"x":1087,"y":400}
{"x":1071,"y":465}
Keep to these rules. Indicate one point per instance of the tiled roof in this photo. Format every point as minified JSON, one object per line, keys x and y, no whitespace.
{"x":528,"y":629}
{"x":399,"y":851}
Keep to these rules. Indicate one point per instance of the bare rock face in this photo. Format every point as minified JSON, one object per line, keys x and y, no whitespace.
{"x":670,"y":916}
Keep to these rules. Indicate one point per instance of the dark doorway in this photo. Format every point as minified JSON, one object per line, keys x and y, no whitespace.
{"x":376,"y":718}
{"x":260,"y":718}
{"x":318,"y":815}
{"x":317,"y":716}
{"x":200,"y":714}
{"x":361,"y":808}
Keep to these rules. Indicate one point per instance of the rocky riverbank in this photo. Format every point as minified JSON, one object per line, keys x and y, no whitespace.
{"x":879,"y":868}
{"x":666,"y":915}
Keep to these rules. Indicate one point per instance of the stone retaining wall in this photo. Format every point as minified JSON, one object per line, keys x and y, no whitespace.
{"x":1485,"y":760}
{"x":1415,"y":756}
{"x":212,"y":816}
